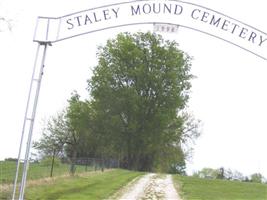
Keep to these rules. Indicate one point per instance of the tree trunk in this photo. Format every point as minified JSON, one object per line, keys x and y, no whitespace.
{"x":73,"y":160}
{"x":52,"y":165}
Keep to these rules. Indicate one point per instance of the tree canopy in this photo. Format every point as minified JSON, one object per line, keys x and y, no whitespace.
{"x":140,"y":88}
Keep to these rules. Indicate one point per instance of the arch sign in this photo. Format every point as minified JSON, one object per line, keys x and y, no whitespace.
{"x":136,"y":12}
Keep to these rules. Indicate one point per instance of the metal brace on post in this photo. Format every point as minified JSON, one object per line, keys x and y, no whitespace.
{"x":30,"y":119}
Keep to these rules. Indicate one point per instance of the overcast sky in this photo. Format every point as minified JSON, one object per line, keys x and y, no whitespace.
{"x":229,"y":94}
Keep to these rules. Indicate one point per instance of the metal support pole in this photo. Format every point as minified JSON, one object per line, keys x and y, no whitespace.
{"x":31,"y":119}
{"x":24,"y":125}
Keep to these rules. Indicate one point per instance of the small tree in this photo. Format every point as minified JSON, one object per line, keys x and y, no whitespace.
{"x":238,"y":176}
{"x":77,"y":127}
{"x":68,"y":132}
{"x":221,"y":173}
{"x":52,"y":142}
{"x":256,"y":178}
{"x":207,"y":173}
{"x":228,"y":174}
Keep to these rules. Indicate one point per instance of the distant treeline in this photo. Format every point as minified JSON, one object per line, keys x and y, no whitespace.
{"x":229,"y":174}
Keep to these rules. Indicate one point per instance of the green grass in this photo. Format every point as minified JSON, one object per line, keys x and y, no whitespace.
{"x":93,"y":186}
{"x":36,"y":171}
{"x":203,"y":189}
{"x":7,"y":171}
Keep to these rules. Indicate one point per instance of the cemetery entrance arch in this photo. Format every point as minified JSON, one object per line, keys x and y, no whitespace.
{"x":171,"y":12}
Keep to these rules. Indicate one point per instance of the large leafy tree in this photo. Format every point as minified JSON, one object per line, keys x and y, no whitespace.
{"x":139,"y":89}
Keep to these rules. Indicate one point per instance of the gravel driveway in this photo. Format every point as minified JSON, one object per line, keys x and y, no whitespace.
{"x":151,"y":187}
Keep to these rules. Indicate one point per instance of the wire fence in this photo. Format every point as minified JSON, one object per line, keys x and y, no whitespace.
{"x":49,"y":168}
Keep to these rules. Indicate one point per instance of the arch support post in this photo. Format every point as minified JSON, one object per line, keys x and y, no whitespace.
{"x":29,"y":119}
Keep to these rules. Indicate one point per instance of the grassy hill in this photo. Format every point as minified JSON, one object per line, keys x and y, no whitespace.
{"x":36,"y":170}
{"x":92,"y":185}
{"x":101,"y":185}
{"x":37,"y":175}
{"x":203,"y":189}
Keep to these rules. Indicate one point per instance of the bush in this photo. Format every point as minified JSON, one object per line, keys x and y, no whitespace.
{"x":11,"y":159}
{"x":257,"y":178}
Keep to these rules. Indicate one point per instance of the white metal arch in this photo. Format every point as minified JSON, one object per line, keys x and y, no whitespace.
{"x":184,"y":14}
